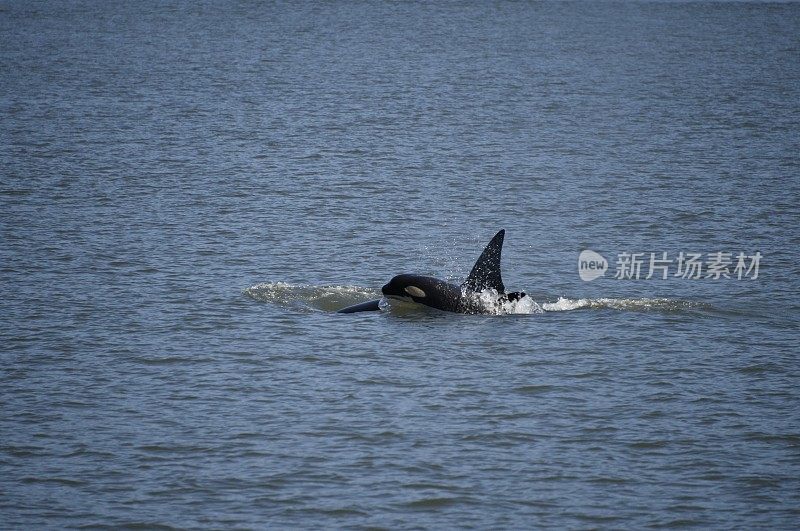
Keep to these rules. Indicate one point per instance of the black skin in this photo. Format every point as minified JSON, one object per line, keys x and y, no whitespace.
{"x":369,"y":306}
{"x":440,"y":294}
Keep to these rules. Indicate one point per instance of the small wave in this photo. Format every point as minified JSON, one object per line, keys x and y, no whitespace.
{"x":330,"y":298}
{"x":432,"y":502}
{"x":534,"y":389}
{"x":67,"y":482}
{"x":636,"y":305}
{"x":305,"y":296}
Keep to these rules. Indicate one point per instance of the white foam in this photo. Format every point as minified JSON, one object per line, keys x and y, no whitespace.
{"x":489,"y":300}
{"x":564,"y":305}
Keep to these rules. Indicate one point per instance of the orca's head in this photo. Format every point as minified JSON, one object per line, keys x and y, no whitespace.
{"x":412,"y":288}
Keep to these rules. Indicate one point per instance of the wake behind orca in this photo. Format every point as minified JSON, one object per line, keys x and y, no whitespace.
{"x":482,"y":292}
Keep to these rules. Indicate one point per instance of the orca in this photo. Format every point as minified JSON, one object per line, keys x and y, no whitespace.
{"x":482,"y":292}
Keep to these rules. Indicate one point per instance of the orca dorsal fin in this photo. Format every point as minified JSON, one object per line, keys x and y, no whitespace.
{"x":485,"y":273}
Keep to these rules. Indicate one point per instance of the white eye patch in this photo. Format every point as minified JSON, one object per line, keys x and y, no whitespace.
{"x":414,"y":291}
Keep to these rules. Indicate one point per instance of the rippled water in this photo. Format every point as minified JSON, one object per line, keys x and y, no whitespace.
{"x":189,"y":191}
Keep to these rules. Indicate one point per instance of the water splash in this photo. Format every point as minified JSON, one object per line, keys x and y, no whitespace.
{"x":491,"y":301}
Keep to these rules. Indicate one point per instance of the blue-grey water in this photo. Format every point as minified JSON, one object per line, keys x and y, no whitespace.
{"x":188,"y":190}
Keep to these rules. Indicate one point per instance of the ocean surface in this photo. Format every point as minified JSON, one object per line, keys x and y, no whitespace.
{"x":189,"y":190}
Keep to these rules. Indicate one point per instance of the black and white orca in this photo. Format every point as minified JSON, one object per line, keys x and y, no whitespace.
{"x":482,"y":292}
